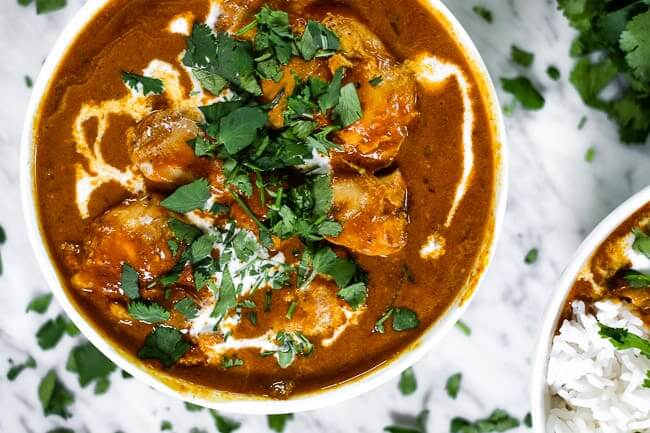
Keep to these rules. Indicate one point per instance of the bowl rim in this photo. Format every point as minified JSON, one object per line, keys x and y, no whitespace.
{"x":250,"y":404}
{"x":538,"y":389}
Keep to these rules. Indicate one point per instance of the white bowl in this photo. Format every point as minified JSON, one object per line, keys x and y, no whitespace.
{"x":228,"y":401}
{"x":540,"y":397}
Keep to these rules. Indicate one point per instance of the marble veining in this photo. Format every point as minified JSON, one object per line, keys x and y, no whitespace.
{"x":556,"y":198}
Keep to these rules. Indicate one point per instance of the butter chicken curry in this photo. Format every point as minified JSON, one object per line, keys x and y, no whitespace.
{"x":266,"y":198}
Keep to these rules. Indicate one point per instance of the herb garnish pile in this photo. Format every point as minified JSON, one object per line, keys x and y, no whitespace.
{"x":613,"y":49}
{"x":264,"y":165}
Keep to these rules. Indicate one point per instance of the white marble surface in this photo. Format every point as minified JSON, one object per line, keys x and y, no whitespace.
{"x":556,"y":198}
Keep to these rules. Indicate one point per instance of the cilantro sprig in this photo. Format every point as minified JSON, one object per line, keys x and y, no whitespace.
{"x":618,"y":33}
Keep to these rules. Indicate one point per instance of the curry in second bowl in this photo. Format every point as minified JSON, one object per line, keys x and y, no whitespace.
{"x":266,"y":198}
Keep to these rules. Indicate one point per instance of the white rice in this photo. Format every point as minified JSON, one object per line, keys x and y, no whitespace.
{"x":594,"y":387}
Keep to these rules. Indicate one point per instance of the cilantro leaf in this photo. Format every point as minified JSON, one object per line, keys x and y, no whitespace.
{"x":355,"y":295}
{"x":635,"y":42}
{"x":89,"y":364}
{"x":622,"y":339}
{"x":139,"y":83}
{"x":278,"y":422}
{"x":317,"y":41}
{"x":223,"y":424}
{"x":188,"y":308}
{"x":484,"y":13}
{"x":348,"y":108}
{"x":498,"y":421}
{"x":227,"y":362}
{"x":524,"y":91}
{"x":164,"y":344}
{"x":531,"y":256}
{"x":47,"y":6}
{"x":227,"y":296}
{"x":637,"y":280}
{"x":50,"y":333}
{"x":553,"y":73}
{"x":404,"y":319}
{"x":521,"y":56}
{"x":151,"y":312}
{"x":202,"y":247}
{"x":407,"y":382}
{"x":453,"y":385}
{"x":464,"y":328}
{"x":293,"y":344}
{"x":15,"y":370}
{"x":54,"y":396}
{"x":641,"y":242}
{"x":209,"y":80}
{"x":379,"y":325}
{"x":40,"y":303}
{"x":238,"y":129}
{"x":129,"y":281}
{"x":590,"y":79}
{"x":183,"y":232}
{"x":188,"y":197}
{"x":330,"y":97}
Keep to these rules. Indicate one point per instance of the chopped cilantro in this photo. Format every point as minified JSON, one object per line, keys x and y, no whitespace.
{"x":453,"y":385}
{"x":146,"y":85}
{"x":227,"y":362}
{"x":188,"y":308}
{"x":193,"y":407}
{"x":90,"y":365}
{"x":418,"y":427}
{"x":484,"y":13}
{"x":590,"y":154}
{"x":528,"y":420}
{"x":498,"y":421}
{"x":150,"y":312}
{"x":166,"y":425}
{"x":291,"y":310}
{"x":553,"y":73}
{"x":404,"y":319}
{"x":582,"y":123}
{"x":524,"y":91}
{"x":292,"y":344}
{"x":521,"y":56}
{"x":15,"y":370}
{"x":238,"y":129}
{"x":355,"y":294}
{"x":223,"y":424}
{"x":622,"y":339}
{"x":531,"y":256}
{"x":278,"y":422}
{"x":188,"y":197}
{"x":129,"y":282}
{"x":164,"y":344}
{"x":348,"y":109}
{"x":49,"y":334}
{"x":227,"y":296}
{"x":462,"y":327}
{"x":183,"y":232}
{"x":40,"y":303}
{"x":317,"y":41}
{"x":28,"y":82}
{"x":637,"y":280}
{"x":379,"y":325}
{"x":47,"y":6}
{"x":202,"y":247}
{"x":54,"y":396}
{"x":376,"y":81}
{"x":641,"y":242}
{"x":407,"y":382}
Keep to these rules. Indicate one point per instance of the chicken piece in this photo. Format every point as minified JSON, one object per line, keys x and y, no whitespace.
{"x":133,"y":232}
{"x":320,"y":312}
{"x":388,"y":107}
{"x":372,"y":211}
{"x":303,"y":69}
{"x":159,"y":147}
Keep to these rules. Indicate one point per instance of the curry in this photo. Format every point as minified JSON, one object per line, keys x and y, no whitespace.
{"x":618,"y":268}
{"x":266,"y":198}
